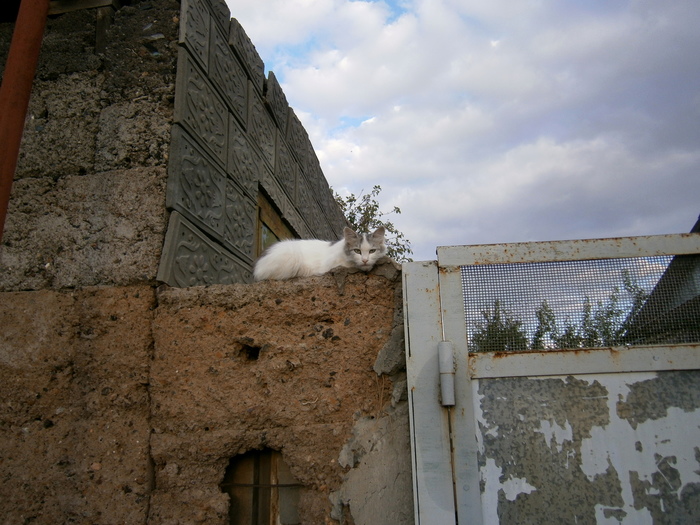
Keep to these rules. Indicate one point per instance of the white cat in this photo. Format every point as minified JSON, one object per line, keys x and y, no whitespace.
{"x":302,"y":258}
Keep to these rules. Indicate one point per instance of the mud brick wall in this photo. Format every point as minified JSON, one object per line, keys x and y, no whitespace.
{"x":126,"y":404}
{"x":234,"y":136}
{"x":74,"y":405}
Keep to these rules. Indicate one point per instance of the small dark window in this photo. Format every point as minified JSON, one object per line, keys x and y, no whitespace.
{"x":262,"y":490}
{"x":271,"y":227}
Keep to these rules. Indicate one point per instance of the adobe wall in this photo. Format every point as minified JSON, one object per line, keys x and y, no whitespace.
{"x":125,"y":404}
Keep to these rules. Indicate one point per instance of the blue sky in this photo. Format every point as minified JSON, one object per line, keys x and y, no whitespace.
{"x":499,"y":121}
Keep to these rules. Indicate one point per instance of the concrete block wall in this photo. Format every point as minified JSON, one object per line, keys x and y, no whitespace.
{"x":88,"y":200}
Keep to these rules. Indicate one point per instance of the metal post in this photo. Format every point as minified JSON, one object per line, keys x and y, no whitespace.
{"x":17,"y":81}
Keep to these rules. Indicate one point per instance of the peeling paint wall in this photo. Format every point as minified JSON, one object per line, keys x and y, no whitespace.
{"x":612,"y":448}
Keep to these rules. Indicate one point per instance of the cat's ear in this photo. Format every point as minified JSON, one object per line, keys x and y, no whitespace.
{"x":349,"y":234}
{"x":378,"y":233}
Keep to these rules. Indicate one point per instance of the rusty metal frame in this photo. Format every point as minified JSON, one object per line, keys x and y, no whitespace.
{"x":577,"y":250}
{"x":586,"y":361}
{"x":15,"y":90}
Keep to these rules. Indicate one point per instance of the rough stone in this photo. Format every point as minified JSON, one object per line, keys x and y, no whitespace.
{"x":59,"y":133}
{"x":84,"y":230}
{"x":88,"y":201}
{"x":129,"y":135}
{"x":126,"y":404}
{"x":309,"y":381}
{"x":74,"y":433}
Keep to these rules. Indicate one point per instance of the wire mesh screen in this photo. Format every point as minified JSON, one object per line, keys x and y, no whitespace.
{"x":582,"y":304}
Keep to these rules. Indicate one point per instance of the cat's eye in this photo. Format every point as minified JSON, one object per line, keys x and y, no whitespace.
{"x":357,"y":250}
{"x":372,"y":251}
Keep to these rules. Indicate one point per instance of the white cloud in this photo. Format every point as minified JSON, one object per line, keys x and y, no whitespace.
{"x":498,"y":121}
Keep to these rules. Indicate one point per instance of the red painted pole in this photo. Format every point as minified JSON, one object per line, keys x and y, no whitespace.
{"x":16,"y":87}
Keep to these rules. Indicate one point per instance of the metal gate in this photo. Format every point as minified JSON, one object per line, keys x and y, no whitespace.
{"x":528,"y":432}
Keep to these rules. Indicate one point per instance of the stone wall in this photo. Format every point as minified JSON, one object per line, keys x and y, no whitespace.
{"x":88,"y":200}
{"x":174,"y":114}
{"x":126,"y":404}
{"x":123,"y":400}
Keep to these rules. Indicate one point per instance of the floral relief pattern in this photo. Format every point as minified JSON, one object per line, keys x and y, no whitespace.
{"x":286,"y":170}
{"x":202,"y":194}
{"x":262,"y":129}
{"x":249,"y":56}
{"x":198,"y":262}
{"x":244,"y":164}
{"x":204,"y":113}
{"x":239,"y":231}
{"x":228,"y":75}
{"x":196,"y":22}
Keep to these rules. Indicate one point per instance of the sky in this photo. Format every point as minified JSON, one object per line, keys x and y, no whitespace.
{"x":499,"y":121}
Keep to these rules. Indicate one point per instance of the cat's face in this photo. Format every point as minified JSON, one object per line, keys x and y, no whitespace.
{"x":364,"y":250}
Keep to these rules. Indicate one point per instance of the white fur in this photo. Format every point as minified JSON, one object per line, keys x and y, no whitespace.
{"x":303,"y":258}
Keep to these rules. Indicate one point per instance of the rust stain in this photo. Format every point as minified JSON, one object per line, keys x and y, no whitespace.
{"x":471,"y":365}
{"x":613,"y":351}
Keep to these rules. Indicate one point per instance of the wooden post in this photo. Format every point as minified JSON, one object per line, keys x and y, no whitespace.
{"x":16,"y":88}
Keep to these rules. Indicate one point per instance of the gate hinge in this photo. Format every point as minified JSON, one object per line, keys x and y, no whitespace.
{"x":446,"y":359}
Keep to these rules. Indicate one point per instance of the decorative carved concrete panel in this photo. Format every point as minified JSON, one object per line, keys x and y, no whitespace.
{"x":239,"y":230}
{"x":286,"y":170}
{"x":195,"y":26}
{"x":261,"y":127}
{"x":285,"y":205}
{"x":190,"y":258}
{"x":324,"y":195}
{"x":244,"y":163}
{"x":199,"y":108}
{"x":275,"y":98}
{"x":246,"y":51}
{"x":310,"y":210}
{"x":196,"y":187}
{"x":220,"y":13}
{"x":233,"y":136}
{"x":298,"y":139}
{"x":272,"y":187}
{"x":228,"y":75}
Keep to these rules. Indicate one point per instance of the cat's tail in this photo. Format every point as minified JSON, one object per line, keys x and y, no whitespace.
{"x":278,"y":262}
{"x":264,"y":269}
